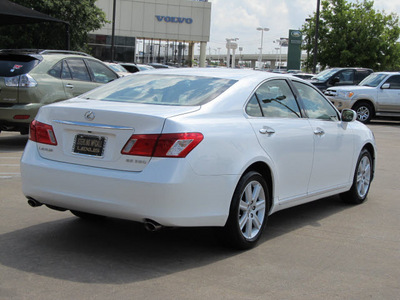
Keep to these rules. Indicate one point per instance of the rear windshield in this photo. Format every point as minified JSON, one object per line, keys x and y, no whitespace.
{"x":14,"y":65}
{"x":162,"y":89}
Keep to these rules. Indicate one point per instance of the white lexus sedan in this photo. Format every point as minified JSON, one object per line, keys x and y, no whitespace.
{"x":196,"y":147}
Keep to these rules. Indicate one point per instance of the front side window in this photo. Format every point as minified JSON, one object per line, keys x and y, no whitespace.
{"x":316,"y":105}
{"x":346,"y":77}
{"x":101,"y":73}
{"x":276,"y":100}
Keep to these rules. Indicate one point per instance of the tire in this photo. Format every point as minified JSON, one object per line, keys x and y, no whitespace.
{"x":362,"y":179}
{"x":248,"y":213}
{"x":364,"y":111}
{"x":87,"y":216}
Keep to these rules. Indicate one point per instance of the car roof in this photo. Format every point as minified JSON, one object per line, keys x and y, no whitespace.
{"x":226,"y":73}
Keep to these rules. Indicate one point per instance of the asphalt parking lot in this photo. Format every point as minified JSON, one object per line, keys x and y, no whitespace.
{"x":321,"y":250}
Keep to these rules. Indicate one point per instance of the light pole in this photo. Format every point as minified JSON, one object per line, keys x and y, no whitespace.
{"x":316,"y":38}
{"x":279,"y":41}
{"x":229,"y":46}
{"x":262,"y":36}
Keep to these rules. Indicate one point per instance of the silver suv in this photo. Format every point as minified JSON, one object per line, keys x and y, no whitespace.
{"x":378,"y":95}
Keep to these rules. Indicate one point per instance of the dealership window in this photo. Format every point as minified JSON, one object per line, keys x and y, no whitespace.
{"x":124,"y":47}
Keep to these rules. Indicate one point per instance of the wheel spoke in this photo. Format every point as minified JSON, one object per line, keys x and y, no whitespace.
{"x":248,"y":193}
{"x":256,"y":192}
{"x":249,"y":228}
{"x":243,"y":221}
{"x":257,"y":222}
{"x":260,"y":205}
{"x":243,"y":206}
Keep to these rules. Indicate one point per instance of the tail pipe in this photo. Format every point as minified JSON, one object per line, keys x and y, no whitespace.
{"x":151,"y":225}
{"x":34,"y":203}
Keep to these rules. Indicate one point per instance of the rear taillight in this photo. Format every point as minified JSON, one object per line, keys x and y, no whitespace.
{"x":162,"y":145}
{"x":24,"y":80}
{"x":42,"y":133}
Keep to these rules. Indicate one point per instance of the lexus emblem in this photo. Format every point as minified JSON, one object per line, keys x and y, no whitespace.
{"x":89,"y":115}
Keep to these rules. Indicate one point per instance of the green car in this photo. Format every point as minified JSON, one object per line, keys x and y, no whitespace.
{"x":30,"y":79}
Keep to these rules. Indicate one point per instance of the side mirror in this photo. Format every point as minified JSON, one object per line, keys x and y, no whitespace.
{"x":335,"y":80}
{"x":385,"y":86}
{"x":348,"y":115}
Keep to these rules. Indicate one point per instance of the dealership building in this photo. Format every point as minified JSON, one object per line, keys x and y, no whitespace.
{"x":144,"y":31}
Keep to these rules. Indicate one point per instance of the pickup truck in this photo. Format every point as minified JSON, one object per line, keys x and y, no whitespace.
{"x":378,"y":95}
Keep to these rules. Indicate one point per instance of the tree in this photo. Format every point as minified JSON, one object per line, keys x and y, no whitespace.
{"x":354,"y":35}
{"x":83,"y":16}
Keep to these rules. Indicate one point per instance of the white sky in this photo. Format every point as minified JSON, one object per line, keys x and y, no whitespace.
{"x":240,"y":18}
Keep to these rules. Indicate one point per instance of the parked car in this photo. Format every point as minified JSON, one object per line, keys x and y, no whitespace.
{"x":305,"y":76}
{"x":378,"y":95}
{"x":339,"y":77}
{"x":196,"y":147}
{"x":133,"y":68}
{"x":120,"y":70}
{"x":160,"y":66}
{"x":30,"y":79}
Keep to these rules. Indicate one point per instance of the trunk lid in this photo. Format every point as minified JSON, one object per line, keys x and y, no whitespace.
{"x":93,"y":133}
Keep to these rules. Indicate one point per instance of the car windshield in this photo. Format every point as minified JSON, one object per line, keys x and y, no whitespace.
{"x":162,"y":89}
{"x":373,"y":80}
{"x":325,"y":75}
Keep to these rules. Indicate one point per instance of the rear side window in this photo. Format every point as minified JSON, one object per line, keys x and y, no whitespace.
{"x":14,"y":65}
{"x":361,"y":74}
{"x":275,"y":99}
{"x":78,"y":69}
{"x":394,"y":82}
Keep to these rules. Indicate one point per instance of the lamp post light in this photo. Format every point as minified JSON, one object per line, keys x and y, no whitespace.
{"x":229,"y":46}
{"x":262,"y":36}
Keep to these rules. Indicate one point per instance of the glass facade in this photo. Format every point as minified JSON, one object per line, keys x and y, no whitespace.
{"x":124,"y":49}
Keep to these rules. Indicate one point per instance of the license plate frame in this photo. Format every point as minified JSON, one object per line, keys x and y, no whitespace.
{"x":89,"y":145}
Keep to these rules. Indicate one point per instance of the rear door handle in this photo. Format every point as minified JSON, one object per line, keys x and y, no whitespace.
{"x":267,"y":130}
{"x":68,"y":85}
{"x":319,"y":131}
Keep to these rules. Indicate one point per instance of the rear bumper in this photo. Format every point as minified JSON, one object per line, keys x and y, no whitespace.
{"x":167,"y":191}
{"x":8,"y":120}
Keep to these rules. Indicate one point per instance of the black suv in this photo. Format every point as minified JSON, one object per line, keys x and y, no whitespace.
{"x":339,"y":76}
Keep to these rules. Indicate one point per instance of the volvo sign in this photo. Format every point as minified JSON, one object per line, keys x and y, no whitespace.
{"x":168,"y":19}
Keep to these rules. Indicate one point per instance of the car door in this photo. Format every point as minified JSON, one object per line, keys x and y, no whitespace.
{"x":333,"y":142}
{"x":76,"y":77}
{"x":285,"y":136}
{"x":389,"y":98}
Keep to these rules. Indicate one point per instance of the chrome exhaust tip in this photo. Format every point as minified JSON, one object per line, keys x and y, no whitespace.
{"x":34,"y":203}
{"x":151,"y":225}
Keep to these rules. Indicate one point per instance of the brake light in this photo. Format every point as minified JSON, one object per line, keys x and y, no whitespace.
{"x":42,"y":133}
{"x":162,"y":145}
{"x":24,"y":80}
